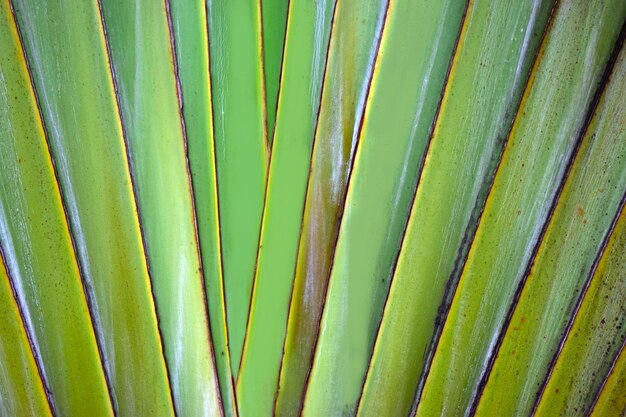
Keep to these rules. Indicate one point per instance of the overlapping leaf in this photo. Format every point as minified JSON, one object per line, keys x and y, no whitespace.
{"x":329,"y":207}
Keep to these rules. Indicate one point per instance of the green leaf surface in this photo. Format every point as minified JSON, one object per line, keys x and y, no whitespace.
{"x":404,"y":96}
{"x":312,"y":208}
{"x":67,"y":53}
{"x":303,"y":70}
{"x":465,"y":143}
{"x":138,"y":36}
{"x":21,"y":388}
{"x":548,"y":126}
{"x":356,"y":29}
{"x":612,"y":401}
{"x":596,"y":337}
{"x":38,"y":250}
{"x":274,"y":22}
{"x":190,"y":30}
{"x":582,"y":218}
{"x":235,"y":46}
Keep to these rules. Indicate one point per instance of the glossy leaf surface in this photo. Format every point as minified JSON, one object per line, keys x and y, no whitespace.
{"x":596,"y":336}
{"x":138,"y":36}
{"x":582,"y":217}
{"x":465,"y":145}
{"x":274,"y":22}
{"x":355,"y":34}
{"x":240,"y":150}
{"x":612,"y":401}
{"x":549,"y":124}
{"x":303,"y":71}
{"x":75,"y":89}
{"x":37,"y":247}
{"x":190,"y":31}
{"x":21,"y":387}
{"x":394,"y":134}
{"x":312,"y":208}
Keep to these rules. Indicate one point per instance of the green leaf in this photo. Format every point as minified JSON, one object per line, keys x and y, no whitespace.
{"x":582,"y":217}
{"x":466,"y":143}
{"x":319,"y":208}
{"x":138,"y":36}
{"x":355,"y":34}
{"x":404,"y":96}
{"x":596,"y":336}
{"x":38,"y":250}
{"x":544,"y":135}
{"x":190,"y":30}
{"x":303,"y":70}
{"x":240,"y":149}
{"x":274,"y":14}
{"x":21,"y":388}
{"x":612,"y":401}
{"x":66,"y":48}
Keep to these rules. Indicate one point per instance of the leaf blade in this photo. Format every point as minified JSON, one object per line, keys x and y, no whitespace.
{"x":241,"y":151}
{"x":582,"y":217}
{"x":596,"y":336}
{"x":37,"y":248}
{"x":138,"y":37}
{"x":96,"y":185}
{"x":190,"y":30}
{"x":307,"y":38}
{"x":555,"y":105}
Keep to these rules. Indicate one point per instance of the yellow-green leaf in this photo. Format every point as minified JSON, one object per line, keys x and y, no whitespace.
{"x":240,"y":150}
{"x":190,"y":30}
{"x":595,"y":338}
{"x":21,"y":387}
{"x":138,"y":36}
{"x":612,"y":401}
{"x":548,"y":127}
{"x":37,"y":247}
{"x":583,"y":216}
{"x":465,"y":146}
{"x":303,"y":71}
{"x":67,"y":53}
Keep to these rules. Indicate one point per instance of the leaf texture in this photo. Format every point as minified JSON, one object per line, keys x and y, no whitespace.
{"x":582,"y":217}
{"x":547,"y":130}
{"x":190,"y":32}
{"x":595,"y":338}
{"x":465,"y":145}
{"x":308,"y":31}
{"x":81,"y":117}
{"x":138,"y":36}
{"x":240,"y":149}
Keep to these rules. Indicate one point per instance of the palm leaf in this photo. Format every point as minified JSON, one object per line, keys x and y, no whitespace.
{"x":21,"y":387}
{"x":611,"y":400}
{"x":190,"y":33}
{"x":462,"y":154}
{"x":308,"y":30}
{"x":66,"y":352}
{"x":240,"y":134}
{"x":317,"y":208}
{"x":154,"y":130}
{"x":85,"y":137}
{"x":581,"y":221}
{"x":595,"y":337}
{"x":273,"y":28}
{"x":527,"y":182}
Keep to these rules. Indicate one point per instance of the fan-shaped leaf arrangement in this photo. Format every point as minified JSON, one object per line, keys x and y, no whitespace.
{"x":320,"y":208}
